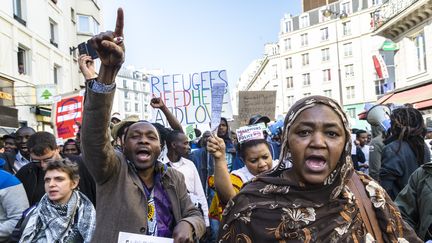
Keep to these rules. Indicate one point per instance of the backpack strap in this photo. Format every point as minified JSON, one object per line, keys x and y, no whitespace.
{"x":363,"y":202}
{"x":20,"y":226}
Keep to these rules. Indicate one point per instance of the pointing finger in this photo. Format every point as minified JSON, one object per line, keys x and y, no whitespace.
{"x":119,"y":23}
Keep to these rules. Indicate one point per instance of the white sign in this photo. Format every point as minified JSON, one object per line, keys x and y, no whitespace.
{"x":125,"y":237}
{"x":188,"y":96}
{"x":251,"y":132}
{"x":218,"y":91}
{"x":45,"y":94}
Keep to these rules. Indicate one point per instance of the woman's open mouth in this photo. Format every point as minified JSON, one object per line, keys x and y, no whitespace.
{"x":316,"y":164}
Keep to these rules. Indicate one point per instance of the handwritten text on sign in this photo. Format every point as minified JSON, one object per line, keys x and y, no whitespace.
{"x":252,"y":132}
{"x":188,"y":96}
{"x":256,"y":102}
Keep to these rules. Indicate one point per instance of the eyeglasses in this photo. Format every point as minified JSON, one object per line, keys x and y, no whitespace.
{"x":47,"y":160}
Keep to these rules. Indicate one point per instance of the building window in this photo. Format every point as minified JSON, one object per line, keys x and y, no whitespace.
{"x":325,"y":54}
{"x":304,"y":39}
{"x":350,"y":92}
{"x":324,"y":34}
{"x":346,"y":28}
{"x":326,"y":75}
{"x":145,"y":108}
{"x":304,"y":21}
{"x":125,"y":84}
{"x":53,"y":33}
{"x":19,"y":11}
{"x":290,"y":82}
{"x":379,"y":87}
{"x":290,"y":100}
{"x":136,"y":96}
{"x":22,"y":61}
{"x":351,"y":112}
{"x":305,"y":59}
{"x":287,"y":26}
{"x":306,"y":79}
{"x":346,"y":7}
{"x":288,"y":62}
{"x":87,"y":24}
{"x":275,"y":71}
{"x":287,"y":44}
{"x":328,"y":93}
{"x":127,"y":106}
{"x":136,"y":107}
{"x":56,"y":71}
{"x":126,"y":95}
{"x":375,"y":2}
{"x":420,"y":51}
{"x":307,"y":94}
{"x":135,"y":86}
{"x":72,"y":12}
{"x":349,"y":71}
{"x":347,"y":50}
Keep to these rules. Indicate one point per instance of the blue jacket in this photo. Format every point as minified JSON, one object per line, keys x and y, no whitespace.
{"x":13,"y":202}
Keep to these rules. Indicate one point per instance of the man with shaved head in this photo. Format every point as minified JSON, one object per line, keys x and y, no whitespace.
{"x":135,"y":192}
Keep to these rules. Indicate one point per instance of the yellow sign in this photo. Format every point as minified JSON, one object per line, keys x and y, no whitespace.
{"x":5,"y":96}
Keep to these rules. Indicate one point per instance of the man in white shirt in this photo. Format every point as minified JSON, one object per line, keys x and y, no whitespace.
{"x":362,"y":138}
{"x":178,"y":148}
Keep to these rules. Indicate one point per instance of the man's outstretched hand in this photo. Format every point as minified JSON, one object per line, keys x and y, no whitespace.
{"x":111,"y":50}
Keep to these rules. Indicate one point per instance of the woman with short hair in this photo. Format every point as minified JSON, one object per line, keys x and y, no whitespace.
{"x":63,"y":214}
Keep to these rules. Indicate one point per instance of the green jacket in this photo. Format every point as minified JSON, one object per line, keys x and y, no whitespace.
{"x":414,"y":201}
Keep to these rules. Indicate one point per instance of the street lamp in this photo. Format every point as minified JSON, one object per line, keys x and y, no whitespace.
{"x":341,"y":15}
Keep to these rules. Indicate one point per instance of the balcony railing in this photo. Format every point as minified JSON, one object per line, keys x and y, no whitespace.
{"x":388,"y":10}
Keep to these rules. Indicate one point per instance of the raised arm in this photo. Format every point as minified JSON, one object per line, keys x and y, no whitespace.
{"x":222,"y":180}
{"x":157,"y":103}
{"x":99,"y":156}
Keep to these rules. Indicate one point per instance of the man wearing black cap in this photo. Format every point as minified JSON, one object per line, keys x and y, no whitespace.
{"x":9,"y":143}
{"x":259,"y":119}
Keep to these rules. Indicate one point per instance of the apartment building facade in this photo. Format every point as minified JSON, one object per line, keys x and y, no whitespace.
{"x":331,"y":56}
{"x":38,"y":40}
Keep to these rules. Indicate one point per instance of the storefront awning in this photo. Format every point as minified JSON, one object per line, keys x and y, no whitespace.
{"x":412,"y":96}
{"x":420,"y":96}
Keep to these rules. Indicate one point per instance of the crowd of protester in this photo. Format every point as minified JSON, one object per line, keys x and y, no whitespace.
{"x":310,"y":178}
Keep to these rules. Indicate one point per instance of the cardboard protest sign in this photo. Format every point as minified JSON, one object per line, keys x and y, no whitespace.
{"x":188,"y":96}
{"x":68,"y":110}
{"x":256,"y":102}
{"x":251,"y":132}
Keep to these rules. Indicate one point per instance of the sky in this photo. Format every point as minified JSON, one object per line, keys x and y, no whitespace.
{"x":197,"y":35}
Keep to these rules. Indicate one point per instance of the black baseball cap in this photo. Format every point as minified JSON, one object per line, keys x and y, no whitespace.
{"x":258,"y":119}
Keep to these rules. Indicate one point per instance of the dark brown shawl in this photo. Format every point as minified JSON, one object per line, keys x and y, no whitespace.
{"x":273,"y":208}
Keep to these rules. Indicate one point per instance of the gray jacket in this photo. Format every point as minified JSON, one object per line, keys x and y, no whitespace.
{"x":375,"y":153}
{"x":120,"y":196}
